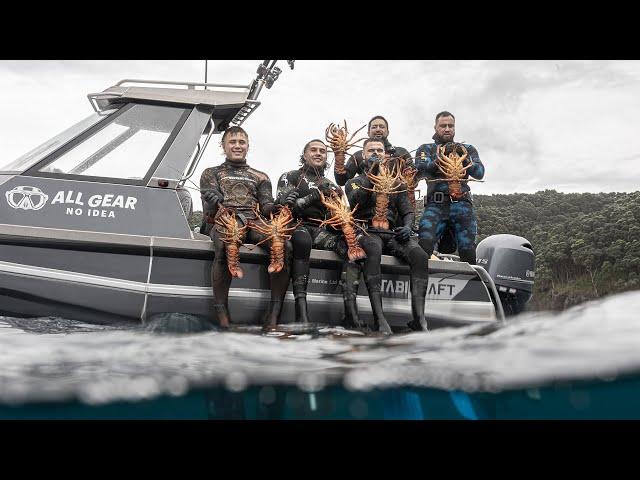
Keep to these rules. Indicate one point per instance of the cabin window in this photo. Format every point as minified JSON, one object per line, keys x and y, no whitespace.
{"x":32,"y":157}
{"x":125,"y":148}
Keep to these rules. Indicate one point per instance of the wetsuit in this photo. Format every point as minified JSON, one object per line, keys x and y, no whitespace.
{"x":441,"y":211}
{"x":240,"y":187}
{"x":356,"y":164}
{"x":399,"y":214}
{"x":306,"y":183}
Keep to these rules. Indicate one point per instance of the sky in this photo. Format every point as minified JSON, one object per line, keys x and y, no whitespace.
{"x":571,"y":126}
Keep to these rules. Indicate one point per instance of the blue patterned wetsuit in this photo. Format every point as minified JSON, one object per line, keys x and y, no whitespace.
{"x":441,"y":211}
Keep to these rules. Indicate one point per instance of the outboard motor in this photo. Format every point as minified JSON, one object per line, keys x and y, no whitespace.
{"x":510,"y":262}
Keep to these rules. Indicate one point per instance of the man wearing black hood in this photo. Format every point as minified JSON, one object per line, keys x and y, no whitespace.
{"x":378,"y":128}
{"x":441,"y":210}
{"x":236,"y":185}
{"x":397,"y":240}
{"x":300,"y":190}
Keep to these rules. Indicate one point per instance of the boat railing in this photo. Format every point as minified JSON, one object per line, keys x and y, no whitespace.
{"x":493,"y":292}
{"x":189,"y":85}
{"x":194,"y":162}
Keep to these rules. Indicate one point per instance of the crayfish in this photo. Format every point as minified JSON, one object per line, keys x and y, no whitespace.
{"x":232,"y":235}
{"x":336,"y":136}
{"x":277,"y":231}
{"x":342,"y":217}
{"x":385,"y":183}
{"x":408,"y":177}
{"x":452,"y":167}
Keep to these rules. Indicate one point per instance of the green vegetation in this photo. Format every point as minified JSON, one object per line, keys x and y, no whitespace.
{"x":586,"y":245}
{"x":196,"y":219}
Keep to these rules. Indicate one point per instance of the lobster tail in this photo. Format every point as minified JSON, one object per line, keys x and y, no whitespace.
{"x":380,"y":219}
{"x":339,"y":164}
{"x":277,"y":256}
{"x":355,"y":251}
{"x":233,"y":260}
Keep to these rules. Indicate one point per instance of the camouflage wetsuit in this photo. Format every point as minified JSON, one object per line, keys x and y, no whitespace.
{"x":441,"y":211}
{"x":242,"y":188}
{"x":399,"y":214}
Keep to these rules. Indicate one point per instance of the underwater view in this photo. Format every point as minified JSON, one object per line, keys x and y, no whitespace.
{"x":583,"y":363}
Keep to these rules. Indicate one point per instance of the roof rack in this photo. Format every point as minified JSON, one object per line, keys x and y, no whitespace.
{"x":189,"y":85}
{"x":212,"y":94}
{"x":237,"y":102}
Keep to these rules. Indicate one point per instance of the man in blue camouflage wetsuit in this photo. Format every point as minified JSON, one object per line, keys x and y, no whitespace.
{"x":441,"y":210}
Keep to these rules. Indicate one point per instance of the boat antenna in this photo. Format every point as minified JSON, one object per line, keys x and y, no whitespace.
{"x":205,"y":73}
{"x":268,"y":73}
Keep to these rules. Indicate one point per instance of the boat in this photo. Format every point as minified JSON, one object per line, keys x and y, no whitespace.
{"x":92,"y":224}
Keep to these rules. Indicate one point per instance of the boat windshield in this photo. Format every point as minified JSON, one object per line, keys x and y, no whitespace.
{"x":32,"y":157}
{"x":126,"y":147}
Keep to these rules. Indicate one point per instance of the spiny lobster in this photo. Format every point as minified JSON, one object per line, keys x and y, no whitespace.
{"x":385,"y":183}
{"x":408,"y":177}
{"x":342,"y":217}
{"x":336,"y":136}
{"x":452,"y":167}
{"x":232,"y":235}
{"x":277,"y":231}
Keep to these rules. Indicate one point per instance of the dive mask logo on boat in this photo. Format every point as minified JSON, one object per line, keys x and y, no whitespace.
{"x":26,"y":198}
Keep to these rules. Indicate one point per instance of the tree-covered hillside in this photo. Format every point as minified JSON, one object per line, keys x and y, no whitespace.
{"x":586,"y":245}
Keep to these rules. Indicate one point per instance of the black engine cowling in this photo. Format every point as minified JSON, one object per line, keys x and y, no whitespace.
{"x":510,"y":262}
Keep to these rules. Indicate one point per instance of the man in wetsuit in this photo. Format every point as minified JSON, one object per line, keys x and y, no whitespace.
{"x":396,"y":241}
{"x":378,"y":128}
{"x":300,"y":191}
{"x":236,"y":185}
{"x":441,"y":210}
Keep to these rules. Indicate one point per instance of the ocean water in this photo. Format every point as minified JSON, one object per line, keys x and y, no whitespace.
{"x":581,"y":363}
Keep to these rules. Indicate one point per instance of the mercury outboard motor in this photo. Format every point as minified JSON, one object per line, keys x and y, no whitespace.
{"x":510,"y":262}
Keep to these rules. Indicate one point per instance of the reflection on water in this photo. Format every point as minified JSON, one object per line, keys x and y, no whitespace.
{"x":582,"y":363}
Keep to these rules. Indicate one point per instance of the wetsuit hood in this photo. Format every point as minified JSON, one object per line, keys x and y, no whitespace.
{"x":438,"y":139}
{"x":313,"y":171}
{"x":229,"y":163}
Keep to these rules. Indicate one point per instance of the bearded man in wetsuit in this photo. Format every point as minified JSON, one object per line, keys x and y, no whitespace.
{"x":234,"y":184}
{"x":444,"y":217}
{"x":378,"y":128}
{"x":396,"y":241}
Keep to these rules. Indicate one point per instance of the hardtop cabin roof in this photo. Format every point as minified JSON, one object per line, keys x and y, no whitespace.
{"x":230,"y":103}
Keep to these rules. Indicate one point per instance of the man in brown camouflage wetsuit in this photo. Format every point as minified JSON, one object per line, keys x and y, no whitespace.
{"x":234,"y":184}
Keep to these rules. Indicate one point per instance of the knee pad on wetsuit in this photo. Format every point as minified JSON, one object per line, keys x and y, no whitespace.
{"x":302,"y":242}
{"x":419,"y":260}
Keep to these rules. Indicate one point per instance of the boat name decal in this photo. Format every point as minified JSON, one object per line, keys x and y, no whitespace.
{"x":97,"y":205}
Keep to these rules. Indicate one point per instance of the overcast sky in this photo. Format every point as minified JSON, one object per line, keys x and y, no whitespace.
{"x":565,"y":125}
